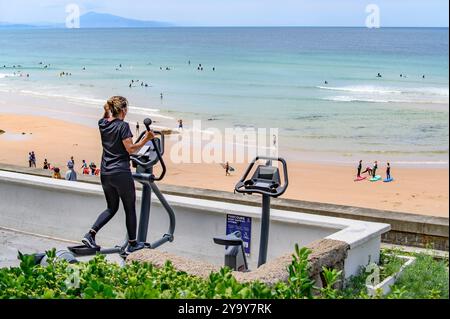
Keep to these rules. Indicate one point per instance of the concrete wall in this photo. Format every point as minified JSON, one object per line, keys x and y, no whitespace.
{"x":406,"y":229}
{"x":67,"y":210}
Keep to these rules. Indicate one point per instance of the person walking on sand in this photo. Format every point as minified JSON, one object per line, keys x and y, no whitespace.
{"x":227,"y":169}
{"x":137,"y":128}
{"x":29,"y":159}
{"x":116,"y":178}
{"x":71,"y":175}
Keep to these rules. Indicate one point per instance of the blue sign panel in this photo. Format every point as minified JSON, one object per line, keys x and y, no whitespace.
{"x":242,"y":224}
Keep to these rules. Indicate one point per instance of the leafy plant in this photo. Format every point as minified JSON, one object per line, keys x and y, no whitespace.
{"x":331,"y":277}
{"x":300,"y":285}
{"x":99,"y":278}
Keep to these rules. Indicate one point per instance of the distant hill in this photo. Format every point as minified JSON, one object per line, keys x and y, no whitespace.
{"x":15,"y":26}
{"x":94,"y":20}
{"x":102,"y":20}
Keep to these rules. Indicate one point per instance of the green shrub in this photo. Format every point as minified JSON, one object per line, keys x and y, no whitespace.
{"x":99,"y":278}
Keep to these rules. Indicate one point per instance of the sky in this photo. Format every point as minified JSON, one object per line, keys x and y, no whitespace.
{"x":393,"y":13}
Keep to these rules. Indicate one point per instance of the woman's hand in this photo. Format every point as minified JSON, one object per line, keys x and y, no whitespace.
{"x":149,"y":135}
{"x":134,"y":148}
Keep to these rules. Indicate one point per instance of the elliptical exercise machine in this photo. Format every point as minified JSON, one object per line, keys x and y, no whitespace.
{"x":144,"y":162}
{"x":266,"y":180}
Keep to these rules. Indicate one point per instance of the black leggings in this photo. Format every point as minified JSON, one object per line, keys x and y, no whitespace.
{"x":115,"y":187}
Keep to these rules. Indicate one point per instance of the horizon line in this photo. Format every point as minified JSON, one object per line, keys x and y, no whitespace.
{"x":60,"y":26}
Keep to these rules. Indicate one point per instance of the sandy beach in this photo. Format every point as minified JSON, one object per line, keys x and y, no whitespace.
{"x":420,"y":191}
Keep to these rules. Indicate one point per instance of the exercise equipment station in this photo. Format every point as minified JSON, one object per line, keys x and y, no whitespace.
{"x":144,"y":162}
{"x":266,"y":181}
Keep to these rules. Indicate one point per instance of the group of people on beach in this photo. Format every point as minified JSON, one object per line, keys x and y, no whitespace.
{"x":372,"y":171}
{"x":71,"y":174}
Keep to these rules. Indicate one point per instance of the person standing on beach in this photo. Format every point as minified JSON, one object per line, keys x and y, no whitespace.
{"x":33,"y":159}
{"x":374,"y":169}
{"x":137,"y":128}
{"x":93,"y":168}
{"x":388,"y":171}
{"x":180,"y":124}
{"x":116,"y":178}
{"x":359,"y":169}
{"x":71,"y":175}
{"x":84,"y":168}
{"x":29,"y":160}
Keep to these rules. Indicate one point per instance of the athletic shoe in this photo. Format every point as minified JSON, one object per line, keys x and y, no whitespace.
{"x":135,"y":247}
{"x":89,"y":241}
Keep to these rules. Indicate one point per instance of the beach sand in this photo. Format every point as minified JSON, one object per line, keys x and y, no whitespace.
{"x":415,"y":190}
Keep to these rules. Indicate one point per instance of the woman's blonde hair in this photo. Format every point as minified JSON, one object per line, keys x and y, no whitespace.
{"x":114,"y":106}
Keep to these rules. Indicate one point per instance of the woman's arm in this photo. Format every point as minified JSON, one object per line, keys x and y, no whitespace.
{"x":134,"y":148}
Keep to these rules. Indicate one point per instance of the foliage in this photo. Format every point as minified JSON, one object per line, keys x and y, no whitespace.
{"x":425,"y":279}
{"x":100,"y":279}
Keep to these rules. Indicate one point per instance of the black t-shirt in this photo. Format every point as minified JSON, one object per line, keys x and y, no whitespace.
{"x":115,"y":158}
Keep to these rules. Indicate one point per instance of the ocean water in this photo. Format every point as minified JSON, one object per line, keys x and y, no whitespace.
{"x":263,"y":77}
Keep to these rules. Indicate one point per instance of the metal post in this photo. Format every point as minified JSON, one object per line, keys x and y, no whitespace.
{"x":145,"y":210}
{"x":265,"y":223}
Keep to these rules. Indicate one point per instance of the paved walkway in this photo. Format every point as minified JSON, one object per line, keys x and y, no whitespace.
{"x":13,"y":241}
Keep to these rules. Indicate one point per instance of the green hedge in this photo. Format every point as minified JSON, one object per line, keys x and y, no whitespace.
{"x":99,"y":278}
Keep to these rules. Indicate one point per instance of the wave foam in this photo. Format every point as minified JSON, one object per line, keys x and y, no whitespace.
{"x":96,"y":102}
{"x":7,"y":75}
{"x":380,"y":94}
{"x":388,"y":90}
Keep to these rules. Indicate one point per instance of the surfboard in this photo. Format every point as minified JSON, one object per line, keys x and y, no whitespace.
{"x":388,"y":180}
{"x":224,"y":166}
{"x":376,"y":178}
{"x":360,"y":178}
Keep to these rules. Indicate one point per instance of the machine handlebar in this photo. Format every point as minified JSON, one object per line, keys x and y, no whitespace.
{"x":245,"y":185}
{"x":158,"y":149}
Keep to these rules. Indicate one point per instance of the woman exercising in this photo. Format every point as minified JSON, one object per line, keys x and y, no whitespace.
{"x":117,"y":180}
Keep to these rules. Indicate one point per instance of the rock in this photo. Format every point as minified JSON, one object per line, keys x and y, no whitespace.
{"x":325,"y":253}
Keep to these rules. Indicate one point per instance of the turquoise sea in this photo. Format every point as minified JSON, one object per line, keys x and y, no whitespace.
{"x":262,"y":77}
